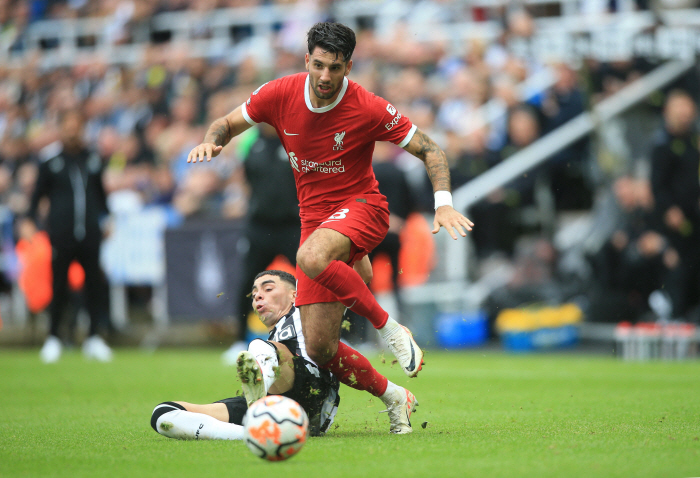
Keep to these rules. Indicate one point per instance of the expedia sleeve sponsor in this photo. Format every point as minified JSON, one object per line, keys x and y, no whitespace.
{"x":387,"y":123}
{"x":393,"y":122}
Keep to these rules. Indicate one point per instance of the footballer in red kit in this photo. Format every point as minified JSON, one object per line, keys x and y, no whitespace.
{"x":330,"y":153}
{"x":328,"y":126}
{"x":330,"y":148}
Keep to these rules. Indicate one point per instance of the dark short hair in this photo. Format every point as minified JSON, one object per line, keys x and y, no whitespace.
{"x":332,"y":37}
{"x":284,"y":277}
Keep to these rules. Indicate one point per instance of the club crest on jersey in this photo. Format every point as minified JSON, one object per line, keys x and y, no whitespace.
{"x":339,"y":141}
{"x":287,"y":332}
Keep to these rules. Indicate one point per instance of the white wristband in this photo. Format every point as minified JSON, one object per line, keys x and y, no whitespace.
{"x":443,"y":198}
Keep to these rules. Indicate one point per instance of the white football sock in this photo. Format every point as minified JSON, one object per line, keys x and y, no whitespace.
{"x":184,"y":425}
{"x":266,"y":356}
{"x":389,"y":329}
{"x":390,"y":394}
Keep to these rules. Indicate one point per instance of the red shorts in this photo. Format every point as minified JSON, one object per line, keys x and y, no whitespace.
{"x":364,"y":220}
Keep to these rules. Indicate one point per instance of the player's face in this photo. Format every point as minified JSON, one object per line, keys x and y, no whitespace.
{"x":272,"y":299}
{"x":326,"y":74}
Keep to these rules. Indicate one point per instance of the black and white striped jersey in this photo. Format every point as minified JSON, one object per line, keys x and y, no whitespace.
{"x":308,"y":375}
{"x":288,"y":331}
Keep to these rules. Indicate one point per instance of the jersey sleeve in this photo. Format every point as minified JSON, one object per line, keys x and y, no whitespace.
{"x":388,"y":124}
{"x":262,"y":106}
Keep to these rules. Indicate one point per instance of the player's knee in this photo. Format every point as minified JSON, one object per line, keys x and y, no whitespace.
{"x":321,"y":353}
{"x":311,"y":262}
{"x":161,"y":409}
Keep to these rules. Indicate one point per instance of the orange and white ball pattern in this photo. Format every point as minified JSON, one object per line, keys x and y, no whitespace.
{"x":275,"y":428}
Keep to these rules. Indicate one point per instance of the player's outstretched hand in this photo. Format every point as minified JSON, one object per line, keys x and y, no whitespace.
{"x":451,"y":220}
{"x":204,"y":150}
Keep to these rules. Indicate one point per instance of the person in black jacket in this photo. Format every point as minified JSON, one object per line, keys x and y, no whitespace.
{"x":71,"y":179}
{"x":273,"y":226}
{"x":675,"y":180}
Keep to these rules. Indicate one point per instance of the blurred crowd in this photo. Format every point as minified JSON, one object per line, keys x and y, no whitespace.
{"x":20,"y":12}
{"x":143,"y":118}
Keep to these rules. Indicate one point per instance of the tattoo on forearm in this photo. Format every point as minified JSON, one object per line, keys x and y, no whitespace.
{"x":434,"y":159}
{"x":218,"y":133}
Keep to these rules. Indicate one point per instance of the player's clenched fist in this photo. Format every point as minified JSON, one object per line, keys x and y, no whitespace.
{"x":208,"y":150}
{"x":448,"y":218}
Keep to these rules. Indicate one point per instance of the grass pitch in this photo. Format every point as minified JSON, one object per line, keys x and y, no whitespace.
{"x":488,"y":414}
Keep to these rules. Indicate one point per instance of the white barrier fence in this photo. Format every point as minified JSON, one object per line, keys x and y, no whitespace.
{"x":210,"y":34}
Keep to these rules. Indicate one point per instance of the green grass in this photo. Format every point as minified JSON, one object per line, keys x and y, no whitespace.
{"x":488,"y":414}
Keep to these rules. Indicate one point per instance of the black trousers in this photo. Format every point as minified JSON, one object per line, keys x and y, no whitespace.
{"x":95,"y":290}
{"x":266,"y":243}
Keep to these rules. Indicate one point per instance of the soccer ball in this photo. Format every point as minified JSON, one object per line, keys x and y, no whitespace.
{"x":275,"y":428}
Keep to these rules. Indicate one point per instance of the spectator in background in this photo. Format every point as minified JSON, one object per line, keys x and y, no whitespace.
{"x":460,"y":111}
{"x":473,"y":157}
{"x":16,"y":32}
{"x":273,"y":226}
{"x":499,"y":213}
{"x":71,"y":179}
{"x":505,"y":99}
{"x":563,"y":103}
{"x":675,"y":179}
{"x":636,"y":259}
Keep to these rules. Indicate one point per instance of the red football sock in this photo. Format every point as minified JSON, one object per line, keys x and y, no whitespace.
{"x":354,"y":370}
{"x":352,"y":292}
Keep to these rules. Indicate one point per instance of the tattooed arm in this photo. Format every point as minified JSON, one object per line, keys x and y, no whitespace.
{"x":425,"y":149}
{"x":218,"y":135}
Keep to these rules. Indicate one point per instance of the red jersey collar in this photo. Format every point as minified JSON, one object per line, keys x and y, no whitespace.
{"x":323,"y":109}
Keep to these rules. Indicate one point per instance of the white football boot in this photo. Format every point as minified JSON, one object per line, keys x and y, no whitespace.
{"x":400,"y":404}
{"x":52,"y":349}
{"x":251,"y":377}
{"x":94,"y":348}
{"x":400,"y":342}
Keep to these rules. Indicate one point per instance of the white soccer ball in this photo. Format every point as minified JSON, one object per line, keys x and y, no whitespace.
{"x":275,"y":428}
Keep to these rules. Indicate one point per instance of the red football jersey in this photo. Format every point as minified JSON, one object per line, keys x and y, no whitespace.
{"x":329,"y":148}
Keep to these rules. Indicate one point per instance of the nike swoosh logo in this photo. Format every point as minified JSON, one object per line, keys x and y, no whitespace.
{"x":291,"y":134}
{"x":412,"y":365}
